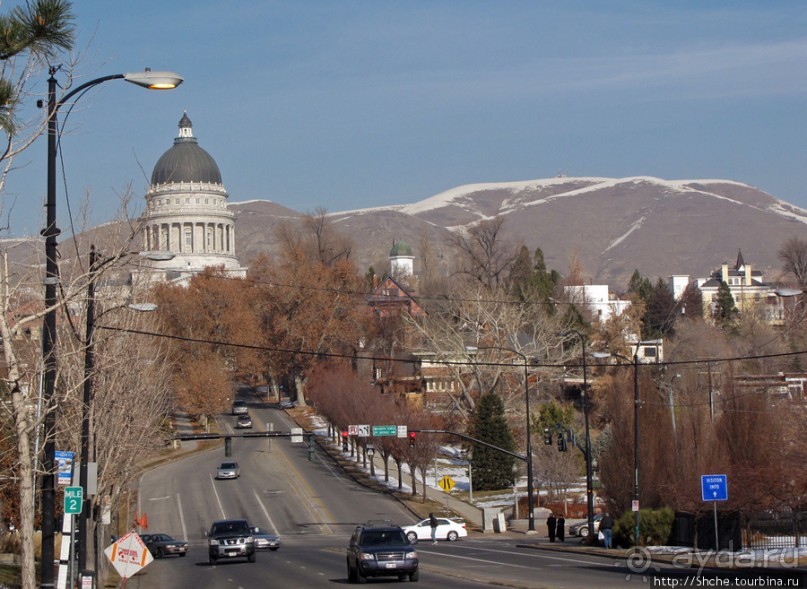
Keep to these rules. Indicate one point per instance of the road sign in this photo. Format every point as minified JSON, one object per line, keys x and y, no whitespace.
{"x":296,"y":435}
{"x":385,"y":430}
{"x":73,"y":498}
{"x":446,"y":483}
{"x":364,"y":431}
{"x":401,"y":431}
{"x":128,"y":555}
{"x":714,"y":487}
{"x":353,"y":430}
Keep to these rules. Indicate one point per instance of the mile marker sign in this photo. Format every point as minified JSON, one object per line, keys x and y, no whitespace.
{"x":714,"y":487}
{"x":128,"y":555}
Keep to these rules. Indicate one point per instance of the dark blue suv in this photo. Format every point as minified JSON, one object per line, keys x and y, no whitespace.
{"x":381,"y":551}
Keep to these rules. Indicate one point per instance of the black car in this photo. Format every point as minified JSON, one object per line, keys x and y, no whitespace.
{"x":230,"y":538}
{"x":162,"y":545}
{"x":381,"y":551}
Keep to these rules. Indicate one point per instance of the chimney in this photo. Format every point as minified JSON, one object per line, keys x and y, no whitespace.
{"x":375,"y":281}
{"x":725,"y":273}
{"x":748,"y":274}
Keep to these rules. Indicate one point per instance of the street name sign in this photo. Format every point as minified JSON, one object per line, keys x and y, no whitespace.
{"x":385,"y":430}
{"x":714,"y":487}
{"x":402,"y":431}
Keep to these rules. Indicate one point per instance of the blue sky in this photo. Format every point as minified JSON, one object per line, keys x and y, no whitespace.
{"x":347,"y":104}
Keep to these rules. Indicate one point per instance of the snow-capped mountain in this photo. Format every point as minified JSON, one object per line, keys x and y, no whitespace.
{"x":611,"y":226}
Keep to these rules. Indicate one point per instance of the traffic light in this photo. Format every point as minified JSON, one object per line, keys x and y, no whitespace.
{"x":344,"y":441}
{"x":228,"y":447}
{"x":547,"y":436}
{"x":412,"y":436}
{"x":561,"y":442}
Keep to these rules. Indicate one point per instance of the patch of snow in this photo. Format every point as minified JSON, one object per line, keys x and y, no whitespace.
{"x":636,"y":225}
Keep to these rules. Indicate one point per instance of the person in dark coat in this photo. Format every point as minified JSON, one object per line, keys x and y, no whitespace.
{"x":433,"y":523}
{"x":561,"y":528}
{"x":551,"y":525}
{"x":606,"y":527}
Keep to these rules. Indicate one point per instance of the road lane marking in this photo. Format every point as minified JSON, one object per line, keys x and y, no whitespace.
{"x":218,"y":499}
{"x":266,"y":513}
{"x":306,"y":493}
{"x":182,"y":519}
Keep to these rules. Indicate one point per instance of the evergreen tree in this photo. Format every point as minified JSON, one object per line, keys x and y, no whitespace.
{"x":725,"y":311}
{"x":640,"y":286}
{"x":492,"y":469}
{"x":660,"y":312}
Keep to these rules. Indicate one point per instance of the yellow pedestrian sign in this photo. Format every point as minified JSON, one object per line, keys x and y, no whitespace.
{"x":446,"y":483}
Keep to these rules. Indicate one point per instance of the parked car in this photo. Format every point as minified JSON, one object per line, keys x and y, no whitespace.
{"x":580,"y":529}
{"x":239,"y":407}
{"x":230,"y":538}
{"x":228,"y":470}
{"x":265,"y":540}
{"x":243,"y":422}
{"x":162,"y":545}
{"x":447,"y":529}
{"x":381,"y":551}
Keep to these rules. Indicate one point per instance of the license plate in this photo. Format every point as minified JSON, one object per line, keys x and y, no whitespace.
{"x":391,"y":565}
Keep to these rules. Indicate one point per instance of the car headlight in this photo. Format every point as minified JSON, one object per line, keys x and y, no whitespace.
{"x":366,"y":556}
{"x":250,"y":540}
{"x":213,"y":542}
{"x":412,"y":554}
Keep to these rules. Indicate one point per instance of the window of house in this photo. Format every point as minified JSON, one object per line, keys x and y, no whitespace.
{"x":649,"y":352}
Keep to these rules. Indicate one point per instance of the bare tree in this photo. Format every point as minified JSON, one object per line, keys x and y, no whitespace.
{"x":484,"y":255}
{"x":793,"y":255}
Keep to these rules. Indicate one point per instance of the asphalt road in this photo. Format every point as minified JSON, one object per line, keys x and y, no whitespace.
{"x":314,"y":507}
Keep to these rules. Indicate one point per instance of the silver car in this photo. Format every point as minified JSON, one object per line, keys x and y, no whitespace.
{"x":228,"y":470}
{"x":239,"y":408}
{"x":264,"y":540}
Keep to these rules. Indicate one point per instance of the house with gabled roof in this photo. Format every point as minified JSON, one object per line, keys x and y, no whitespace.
{"x":748,"y":288}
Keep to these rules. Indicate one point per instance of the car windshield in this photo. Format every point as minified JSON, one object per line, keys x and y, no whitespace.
{"x":384,"y":537}
{"x":230,"y":527}
{"x":228,"y":465}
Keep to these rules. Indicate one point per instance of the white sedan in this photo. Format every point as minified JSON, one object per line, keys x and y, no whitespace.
{"x":447,"y":529}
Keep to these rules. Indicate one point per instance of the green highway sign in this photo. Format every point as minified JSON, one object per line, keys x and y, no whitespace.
{"x":385,"y":430}
{"x":73,"y":498}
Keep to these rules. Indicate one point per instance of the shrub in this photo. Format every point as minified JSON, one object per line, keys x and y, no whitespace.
{"x":655,"y":527}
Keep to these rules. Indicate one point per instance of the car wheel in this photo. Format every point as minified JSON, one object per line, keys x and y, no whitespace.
{"x":412,"y":537}
{"x":359,"y":577}
{"x":183,"y":554}
{"x":160,"y":553}
{"x":583,"y":532}
{"x":351,"y":574}
{"x":251,"y":557}
{"x":274,"y":549}
{"x":452,"y":536}
{"x":414,"y":576}
{"x":211,"y":560}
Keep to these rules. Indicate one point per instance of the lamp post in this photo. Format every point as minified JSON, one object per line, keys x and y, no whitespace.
{"x":147,"y":79}
{"x":589,"y":476}
{"x":530,"y":482}
{"x":89,"y":367}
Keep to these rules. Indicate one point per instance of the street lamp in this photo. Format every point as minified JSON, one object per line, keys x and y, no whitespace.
{"x":89,"y":365}
{"x":147,"y":79}
{"x":589,"y":476}
{"x":530,"y":484}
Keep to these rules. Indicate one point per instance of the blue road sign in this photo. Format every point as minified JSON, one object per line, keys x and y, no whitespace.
{"x":714,"y":487}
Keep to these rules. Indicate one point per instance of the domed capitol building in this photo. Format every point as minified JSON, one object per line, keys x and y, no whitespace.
{"x":186,"y":211}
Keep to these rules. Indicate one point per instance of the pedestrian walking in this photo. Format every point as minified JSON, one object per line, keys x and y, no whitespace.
{"x":551,"y":525}
{"x":561,"y":528}
{"x":433,"y":524}
{"x":606,"y":527}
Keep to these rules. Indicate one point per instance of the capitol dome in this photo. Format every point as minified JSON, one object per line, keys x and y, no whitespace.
{"x":185,"y":161}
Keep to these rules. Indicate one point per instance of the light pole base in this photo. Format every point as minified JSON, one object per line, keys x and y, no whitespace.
{"x":531,"y":532}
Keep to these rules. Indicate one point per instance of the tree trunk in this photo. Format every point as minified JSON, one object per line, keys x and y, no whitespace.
{"x":299,"y":387}
{"x":24,"y":426}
